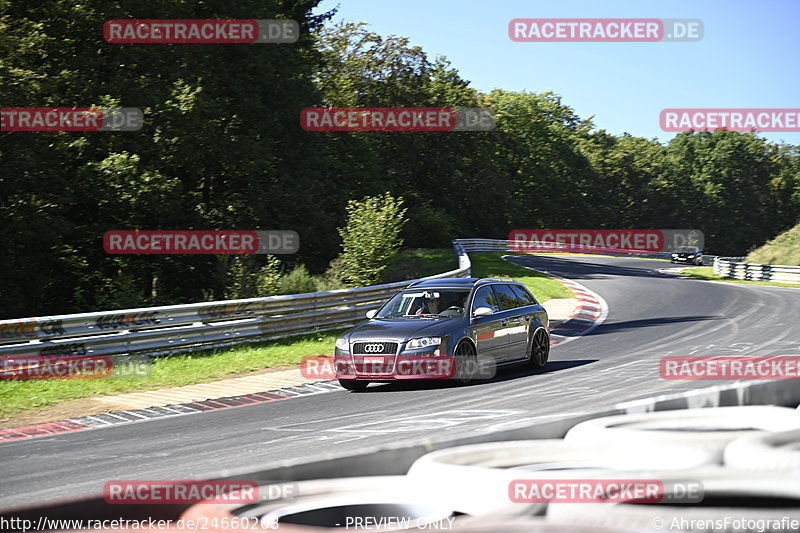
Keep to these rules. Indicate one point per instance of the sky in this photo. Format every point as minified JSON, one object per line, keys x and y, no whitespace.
{"x":749,"y":56}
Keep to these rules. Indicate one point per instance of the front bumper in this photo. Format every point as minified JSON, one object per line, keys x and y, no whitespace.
{"x":394,"y":367}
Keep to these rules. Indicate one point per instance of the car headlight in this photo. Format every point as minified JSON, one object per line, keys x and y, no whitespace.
{"x":690,"y":256}
{"x":423,"y":342}
{"x":342,"y":344}
{"x":674,"y":255}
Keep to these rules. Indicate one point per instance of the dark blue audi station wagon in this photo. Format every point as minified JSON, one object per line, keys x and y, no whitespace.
{"x":453,"y":328}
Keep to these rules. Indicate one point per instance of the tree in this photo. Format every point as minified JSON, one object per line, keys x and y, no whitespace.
{"x":371,"y":238}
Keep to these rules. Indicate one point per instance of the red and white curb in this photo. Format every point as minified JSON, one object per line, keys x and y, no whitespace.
{"x":591,"y":311}
{"x":117,"y":418}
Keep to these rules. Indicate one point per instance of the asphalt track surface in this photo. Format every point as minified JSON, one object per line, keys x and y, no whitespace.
{"x":650,"y":316}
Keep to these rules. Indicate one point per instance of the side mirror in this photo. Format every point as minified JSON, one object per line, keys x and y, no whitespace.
{"x":371,"y":313}
{"x":482,"y":311}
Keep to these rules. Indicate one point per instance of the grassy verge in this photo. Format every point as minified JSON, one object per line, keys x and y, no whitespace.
{"x":707,"y":273}
{"x":782,"y":250}
{"x":17,"y":396}
{"x":21,"y":396}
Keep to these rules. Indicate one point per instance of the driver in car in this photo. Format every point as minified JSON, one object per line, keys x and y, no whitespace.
{"x":434,"y":304}
{"x":430,"y":305}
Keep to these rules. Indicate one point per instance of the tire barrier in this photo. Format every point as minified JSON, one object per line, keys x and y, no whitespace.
{"x":475,"y":483}
{"x":710,"y":428}
{"x":526,"y":525}
{"x":770,"y":451}
{"x":475,"y":478}
{"x":339,"y":503}
{"x":733,"y":267}
{"x":732,"y":501}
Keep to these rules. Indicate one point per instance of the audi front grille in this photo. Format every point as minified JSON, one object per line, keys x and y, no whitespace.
{"x":374,"y":348}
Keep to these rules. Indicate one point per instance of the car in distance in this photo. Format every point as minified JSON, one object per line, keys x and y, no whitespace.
{"x":455,"y":328}
{"x":687,"y":254}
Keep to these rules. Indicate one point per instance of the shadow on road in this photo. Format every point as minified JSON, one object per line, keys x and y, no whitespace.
{"x":590,"y":268}
{"x":502,"y":375}
{"x":614,"y":327}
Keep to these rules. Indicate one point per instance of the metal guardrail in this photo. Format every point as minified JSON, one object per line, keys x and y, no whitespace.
{"x":170,"y":329}
{"x":500,"y":245}
{"x":733,"y":267}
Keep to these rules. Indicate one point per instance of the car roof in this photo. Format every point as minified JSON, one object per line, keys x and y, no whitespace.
{"x":459,"y":282}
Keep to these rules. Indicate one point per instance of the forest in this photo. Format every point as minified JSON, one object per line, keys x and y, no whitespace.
{"x":222,"y":147}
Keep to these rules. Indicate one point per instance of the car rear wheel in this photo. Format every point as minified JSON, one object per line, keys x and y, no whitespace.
{"x":466,"y":363}
{"x":354,"y":384}
{"x":540,"y":349}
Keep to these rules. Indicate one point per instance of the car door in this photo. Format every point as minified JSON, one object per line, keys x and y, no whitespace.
{"x":514,"y":322}
{"x":534,"y":314}
{"x":488,"y":330}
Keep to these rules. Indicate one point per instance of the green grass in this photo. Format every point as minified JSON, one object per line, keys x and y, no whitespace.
{"x":411,"y":264}
{"x":17,"y":396}
{"x":707,"y":273}
{"x":782,"y":250}
{"x":21,"y":396}
{"x":420,"y":262}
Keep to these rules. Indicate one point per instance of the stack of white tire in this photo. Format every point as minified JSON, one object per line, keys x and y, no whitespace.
{"x":746,"y":459}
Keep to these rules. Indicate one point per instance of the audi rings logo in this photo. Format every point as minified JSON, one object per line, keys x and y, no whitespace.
{"x":373,"y":348}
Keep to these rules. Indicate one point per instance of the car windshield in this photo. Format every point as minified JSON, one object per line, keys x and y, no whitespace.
{"x":426,"y":303}
{"x":687,"y":249}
